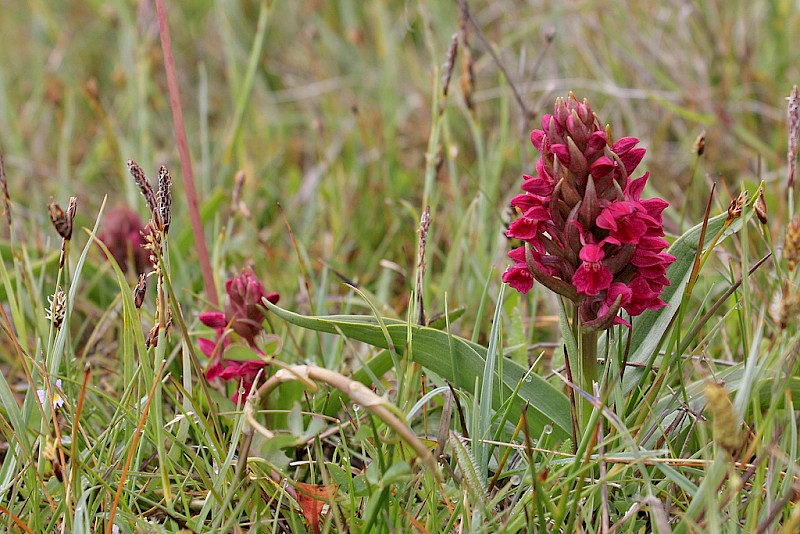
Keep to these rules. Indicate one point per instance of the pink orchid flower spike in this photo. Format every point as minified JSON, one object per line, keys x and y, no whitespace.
{"x":587,"y":233}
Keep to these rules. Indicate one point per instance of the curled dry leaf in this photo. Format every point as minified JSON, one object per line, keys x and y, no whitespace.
{"x":312,"y":498}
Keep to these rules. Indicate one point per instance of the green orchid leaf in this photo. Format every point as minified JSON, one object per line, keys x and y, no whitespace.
{"x":431,"y":349}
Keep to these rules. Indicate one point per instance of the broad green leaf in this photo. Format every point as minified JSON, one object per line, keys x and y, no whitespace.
{"x":439,"y":321}
{"x":431,"y":349}
{"x":516,"y":337}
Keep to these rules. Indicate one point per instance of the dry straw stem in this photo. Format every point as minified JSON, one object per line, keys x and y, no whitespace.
{"x":358,"y":393}
{"x":467,"y":81}
{"x":469,"y":73}
{"x":699,"y":463}
{"x":75,"y":426}
{"x":17,"y":521}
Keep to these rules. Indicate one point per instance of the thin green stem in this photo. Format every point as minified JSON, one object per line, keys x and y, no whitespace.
{"x":588,"y":370}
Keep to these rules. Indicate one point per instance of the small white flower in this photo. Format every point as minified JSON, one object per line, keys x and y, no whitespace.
{"x":58,"y":399}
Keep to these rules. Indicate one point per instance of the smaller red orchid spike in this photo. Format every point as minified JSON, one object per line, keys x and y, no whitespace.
{"x":243,"y":314}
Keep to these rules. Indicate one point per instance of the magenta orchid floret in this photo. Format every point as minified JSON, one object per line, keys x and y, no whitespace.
{"x":588,"y":235}
{"x":242,"y":317}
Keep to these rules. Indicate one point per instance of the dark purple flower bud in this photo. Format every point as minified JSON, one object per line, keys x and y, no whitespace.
{"x":122,"y":233}
{"x":243,"y":305}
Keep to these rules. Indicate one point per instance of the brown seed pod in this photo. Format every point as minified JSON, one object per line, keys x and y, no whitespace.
{"x":4,"y":188}
{"x":788,"y":309}
{"x":152,"y":336}
{"x":467,"y":80}
{"x":163,"y":216}
{"x":144,"y":185}
{"x":760,"y":206}
{"x":450,"y":64}
{"x":62,"y":221}
{"x":791,"y":243}
{"x":699,"y":146}
{"x":139,"y":291}
{"x":736,"y":206}
{"x":72,"y":207}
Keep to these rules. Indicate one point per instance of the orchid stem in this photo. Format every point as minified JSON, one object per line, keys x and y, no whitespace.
{"x":588,"y":373}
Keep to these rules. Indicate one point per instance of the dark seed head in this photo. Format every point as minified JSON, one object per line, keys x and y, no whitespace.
{"x":62,"y":221}
{"x":139,"y":291}
{"x":163,"y":215}
{"x":760,"y":206}
{"x":144,"y":185}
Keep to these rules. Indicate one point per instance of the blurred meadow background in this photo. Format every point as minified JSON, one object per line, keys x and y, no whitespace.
{"x":337,"y":118}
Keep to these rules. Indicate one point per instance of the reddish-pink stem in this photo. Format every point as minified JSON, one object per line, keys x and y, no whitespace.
{"x":183,"y":152}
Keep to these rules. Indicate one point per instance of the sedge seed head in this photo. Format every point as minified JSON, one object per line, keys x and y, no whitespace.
{"x":144,"y":185}
{"x":791,"y":243}
{"x":163,"y":214}
{"x":726,"y":426}
{"x":139,"y":291}
{"x":760,"y":206}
